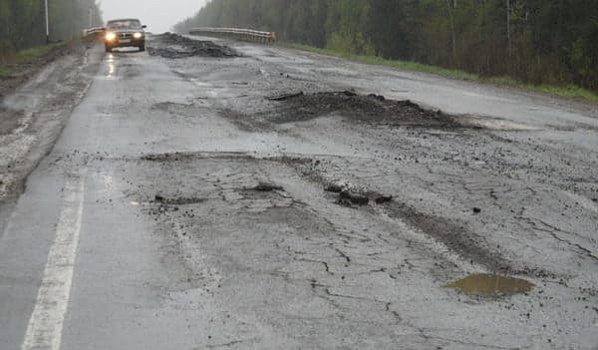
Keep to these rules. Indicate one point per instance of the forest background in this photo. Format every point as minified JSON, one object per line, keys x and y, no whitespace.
{"x":553,"y":42}
{"x":23,"y":22}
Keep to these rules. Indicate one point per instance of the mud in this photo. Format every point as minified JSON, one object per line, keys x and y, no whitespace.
{"x":489,"y":285}
{"x":178,"y":200}
{"x":457,"y":235}
{"x":267,"y":187}
{"x":369,"y":108}
{"x":174,"y":46}
{"x":349,"y":198}
{"x":366,"y":109}
{"x":33,"y":110}
{"x":9,"y":120}
{"x":22,"y":72}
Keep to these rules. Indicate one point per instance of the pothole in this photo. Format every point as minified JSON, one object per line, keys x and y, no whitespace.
{"x":350,"y":197}
{"x":176,"y":46}
{"x":168,"y":106}
{"x":364,"y":108}
{"x":267,"y":187}
{"x":178,"y":200}
{"x":490,"y":285}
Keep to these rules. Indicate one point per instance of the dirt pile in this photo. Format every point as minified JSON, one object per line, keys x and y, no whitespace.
{"x":174,"y":46}
{"x":350,"y":197}
{"x":366,"y":108}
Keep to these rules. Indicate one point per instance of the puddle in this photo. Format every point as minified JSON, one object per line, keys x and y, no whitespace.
{"x":491,"y":285}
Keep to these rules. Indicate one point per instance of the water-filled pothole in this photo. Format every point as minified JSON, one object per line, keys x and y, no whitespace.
{"x":490,"y":285}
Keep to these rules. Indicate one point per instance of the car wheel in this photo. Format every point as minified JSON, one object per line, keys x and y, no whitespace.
{"x":142,"y":47}
{"x":108,"y":48}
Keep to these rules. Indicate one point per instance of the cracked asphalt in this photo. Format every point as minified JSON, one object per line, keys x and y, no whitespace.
{"x":269,"y":198}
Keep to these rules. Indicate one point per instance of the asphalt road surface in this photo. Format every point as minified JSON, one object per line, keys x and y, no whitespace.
{"x":255,"y":197}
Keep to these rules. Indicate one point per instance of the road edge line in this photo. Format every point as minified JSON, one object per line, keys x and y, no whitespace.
{"x":45,"y":325}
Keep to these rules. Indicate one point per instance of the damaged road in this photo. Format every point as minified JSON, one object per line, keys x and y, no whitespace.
{"x":372,"y":108}
{"x":270,"y":198}
{"x":35,"y":104}
{"x":174,"y":46}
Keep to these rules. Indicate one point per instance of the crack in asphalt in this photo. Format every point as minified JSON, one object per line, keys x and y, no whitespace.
{"x":550,"y":229}
{"x":324,"y":263}
{"x":223,"y":345}
{"x":455,"y":236}
{"x":342,"y":254}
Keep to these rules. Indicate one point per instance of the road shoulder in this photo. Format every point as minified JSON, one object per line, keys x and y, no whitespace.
{"x":33,"y":111}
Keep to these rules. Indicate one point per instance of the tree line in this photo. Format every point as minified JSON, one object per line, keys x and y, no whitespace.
{"x":535,"y":41}
{"x":23,"y":22}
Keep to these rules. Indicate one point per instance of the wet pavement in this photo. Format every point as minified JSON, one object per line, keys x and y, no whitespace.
{"x":276,"y":199}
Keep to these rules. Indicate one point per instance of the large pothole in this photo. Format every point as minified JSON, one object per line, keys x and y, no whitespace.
{"x":174,"y":46}
{"x":365,"y":108}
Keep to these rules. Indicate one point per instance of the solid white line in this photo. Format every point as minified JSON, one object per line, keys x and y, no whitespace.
{"x":45,"y":325}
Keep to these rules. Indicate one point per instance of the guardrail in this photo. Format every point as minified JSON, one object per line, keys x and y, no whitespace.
{"x":95,"y":31}
{"x":236,"y":33}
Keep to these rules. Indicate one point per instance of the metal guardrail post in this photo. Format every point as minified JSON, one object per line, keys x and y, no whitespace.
{"x":236,"y":33}
{"x":95,"y":31}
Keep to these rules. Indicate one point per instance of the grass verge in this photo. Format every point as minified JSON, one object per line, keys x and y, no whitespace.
{"x":5,"y":71}
{"x":570,"y":91}
{"x":12,"y":63}
{"x":33,"y":54}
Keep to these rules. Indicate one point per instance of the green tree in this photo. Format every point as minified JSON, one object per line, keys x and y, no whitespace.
{"x":537,"y":41}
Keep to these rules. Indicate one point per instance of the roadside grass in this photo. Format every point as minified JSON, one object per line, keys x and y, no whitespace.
{"x":5,"y":71}
{"x":9,"y":64}
{"x":570,"y":91}
{"x":33,"y":54}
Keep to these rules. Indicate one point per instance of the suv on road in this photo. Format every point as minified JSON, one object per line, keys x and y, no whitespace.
{"x":124,"y":33}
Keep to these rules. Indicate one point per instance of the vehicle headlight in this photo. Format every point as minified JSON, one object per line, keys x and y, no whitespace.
{"x":137,"y":35}
{"x":110,"y":36}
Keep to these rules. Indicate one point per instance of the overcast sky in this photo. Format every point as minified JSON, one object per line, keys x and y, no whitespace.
{"x":158,"y":15}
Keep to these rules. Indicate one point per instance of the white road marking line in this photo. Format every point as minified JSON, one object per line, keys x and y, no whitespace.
{"x":45,"y":325}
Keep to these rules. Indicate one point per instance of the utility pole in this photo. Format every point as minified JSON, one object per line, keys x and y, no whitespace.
{"x":74,"y":15}
{"x":509,"y":27}
{"x":453,"y":34}
{"x":90,"y":17}
{"x":47,"y":24}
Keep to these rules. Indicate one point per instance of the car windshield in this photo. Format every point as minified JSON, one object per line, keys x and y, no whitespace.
{"x":125,"y":24}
